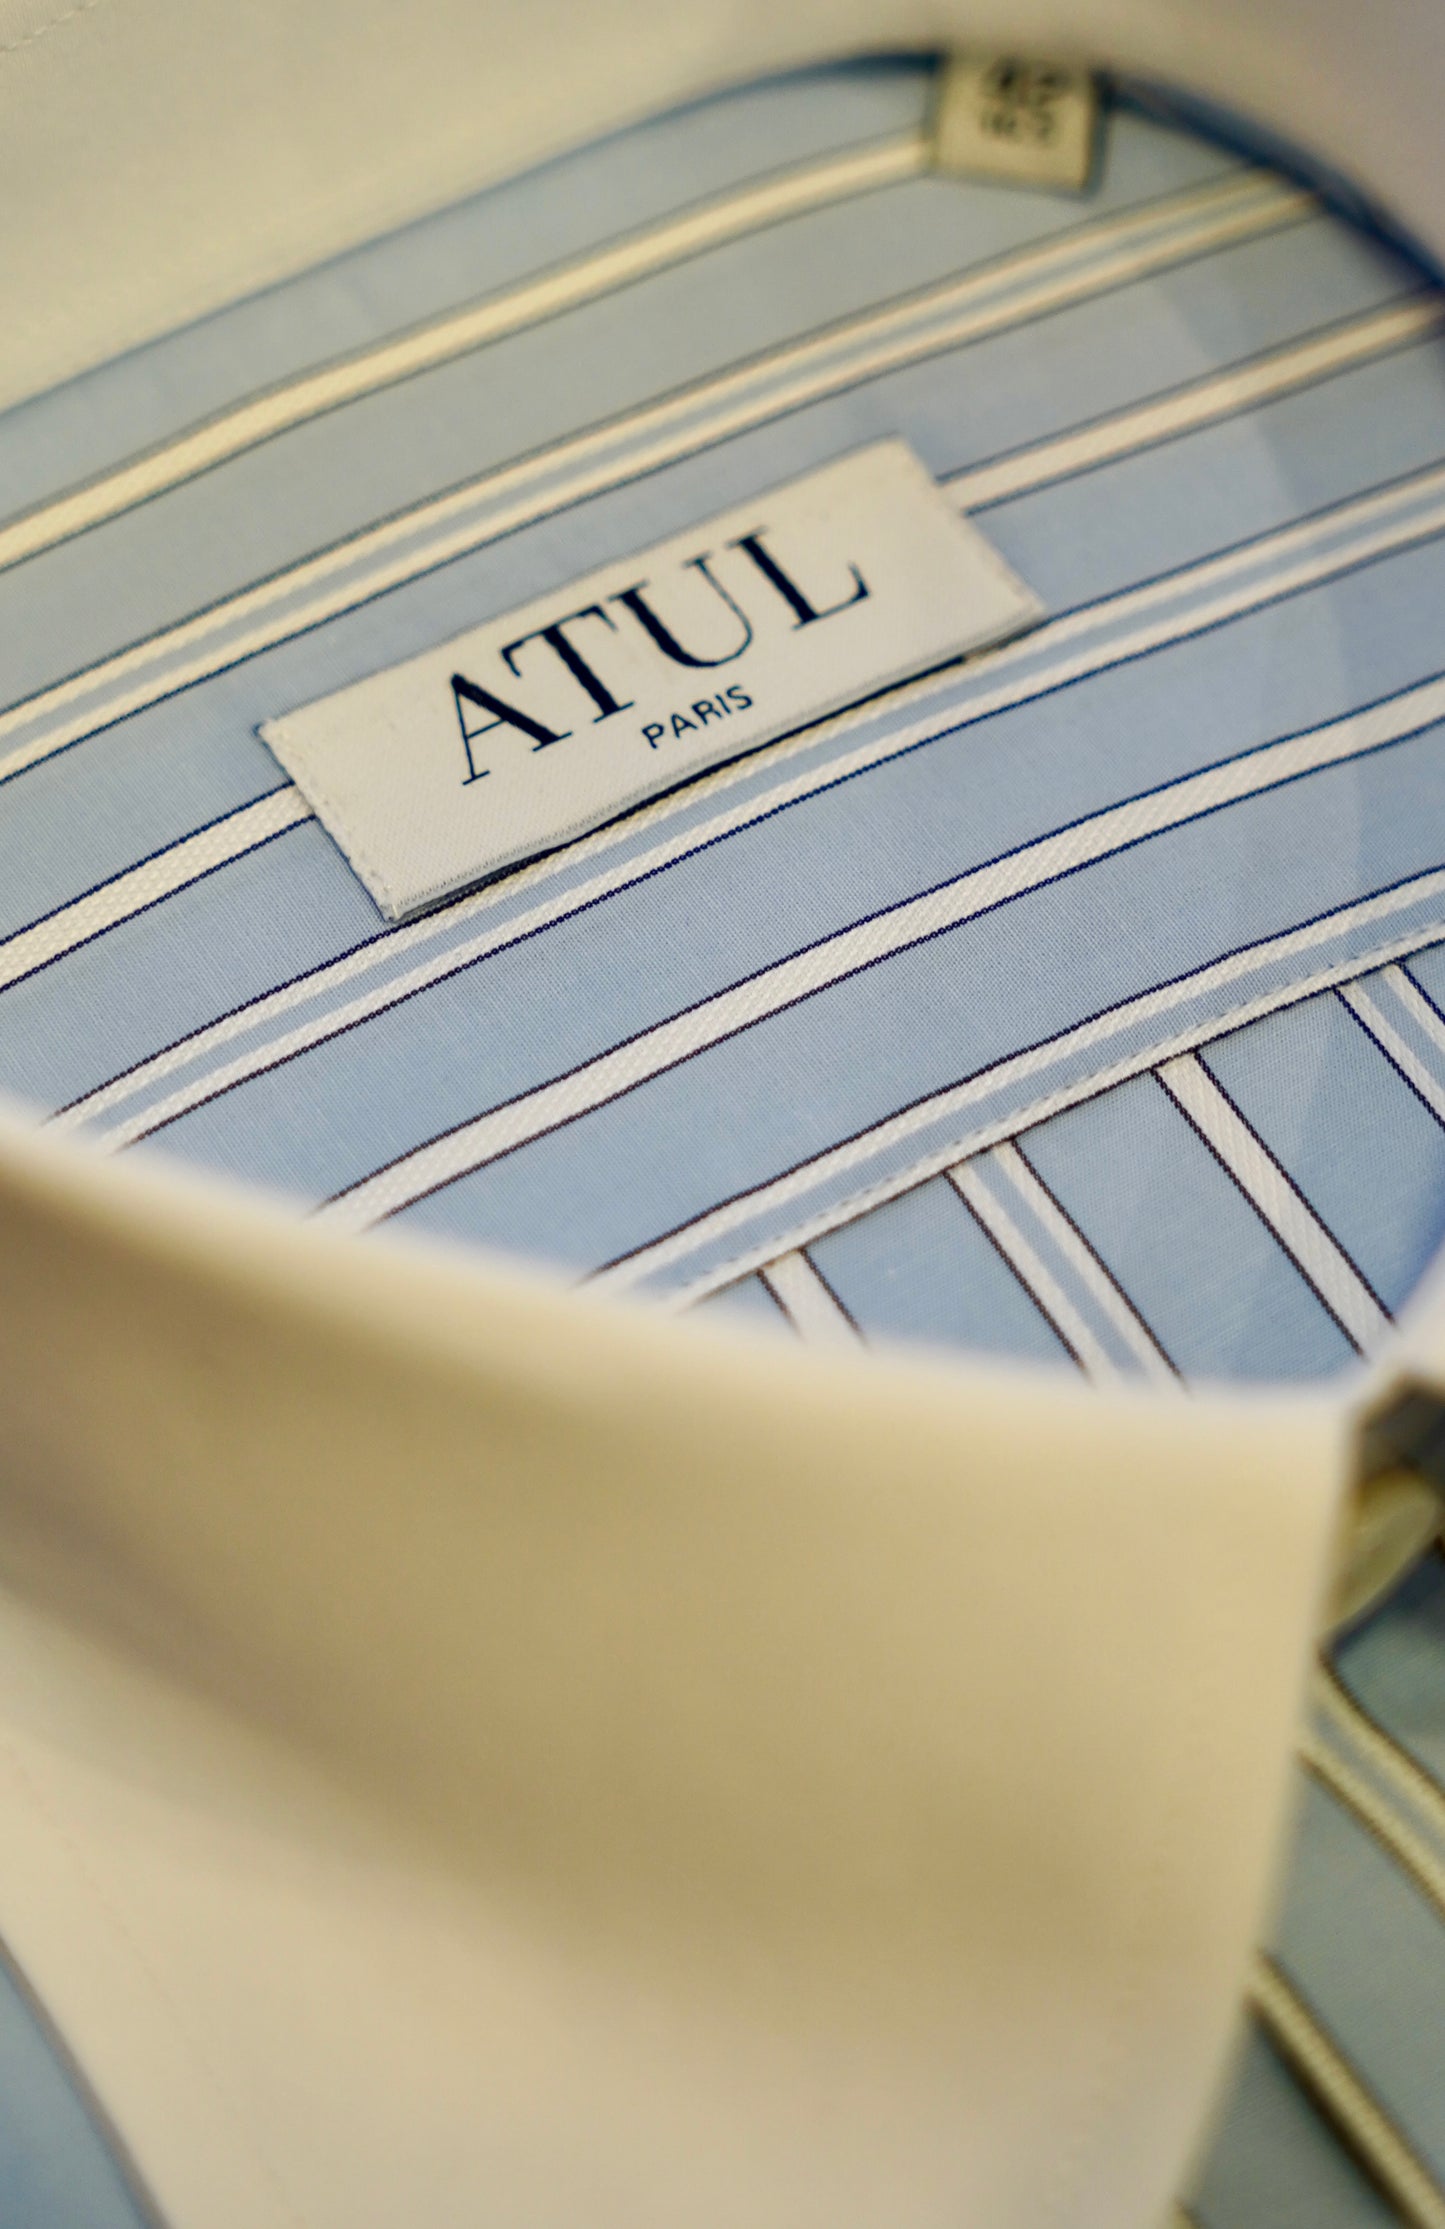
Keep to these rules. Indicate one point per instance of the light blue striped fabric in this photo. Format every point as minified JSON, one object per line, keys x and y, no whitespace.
{"x":1095,"y":990}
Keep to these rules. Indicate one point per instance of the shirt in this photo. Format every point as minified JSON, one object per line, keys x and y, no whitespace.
{"x":1080,"y":1003}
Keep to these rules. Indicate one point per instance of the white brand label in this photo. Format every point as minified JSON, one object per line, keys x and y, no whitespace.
{"x":1029,"y":123}
{"x":529,"y":730}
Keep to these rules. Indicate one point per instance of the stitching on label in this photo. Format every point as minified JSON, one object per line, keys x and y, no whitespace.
{"x":332,"y":818}
{"x":381,"y":773}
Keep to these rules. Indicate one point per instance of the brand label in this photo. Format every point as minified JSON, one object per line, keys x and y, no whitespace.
{"x":529,"y":730}
{"x":1026,"y":122}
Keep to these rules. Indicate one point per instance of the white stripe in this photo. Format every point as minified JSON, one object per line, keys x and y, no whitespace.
{"x":229,"y":434}
{"x":1411,"y":1784}
{"x":1410,"y":1850}
{"x":828,"y":961}
{"x":1298,"y":556}
{"x":1423,"y":1011}
{"x":809,"y":1303}
{"x":776,"y":1196}
{"x":152,"y":880}
{"x":1265,"y":1184}
{"x":1412,"y":708}
{"x":1328,"y":2074}
{"x":1108,"y":1297}
{"x":1425,"y":1081}
{"x":401,"y":549}
{"x":1206,"y":401}
{"x":1027,"y":469}
{"x":1029,"y":1267}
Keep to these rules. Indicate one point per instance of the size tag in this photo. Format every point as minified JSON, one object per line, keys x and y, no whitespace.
{"x":1028,"y":122}
{"x":529,"y":730}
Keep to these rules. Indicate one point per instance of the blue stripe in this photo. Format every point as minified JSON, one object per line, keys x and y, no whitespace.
{"x":59,"y":2169}
{"x":1366,"y":1153}
{"x":923,"y":1269}
{"x":1277,"y":2163}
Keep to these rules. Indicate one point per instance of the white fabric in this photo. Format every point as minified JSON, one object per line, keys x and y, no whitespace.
{"x":849,"y":1789}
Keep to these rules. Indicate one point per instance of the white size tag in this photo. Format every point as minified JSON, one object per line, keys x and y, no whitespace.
{"x":529,"y":730}
{"x":1028,"y":123}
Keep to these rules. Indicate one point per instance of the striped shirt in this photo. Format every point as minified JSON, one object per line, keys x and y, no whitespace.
{"x":1082,"y":1001}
